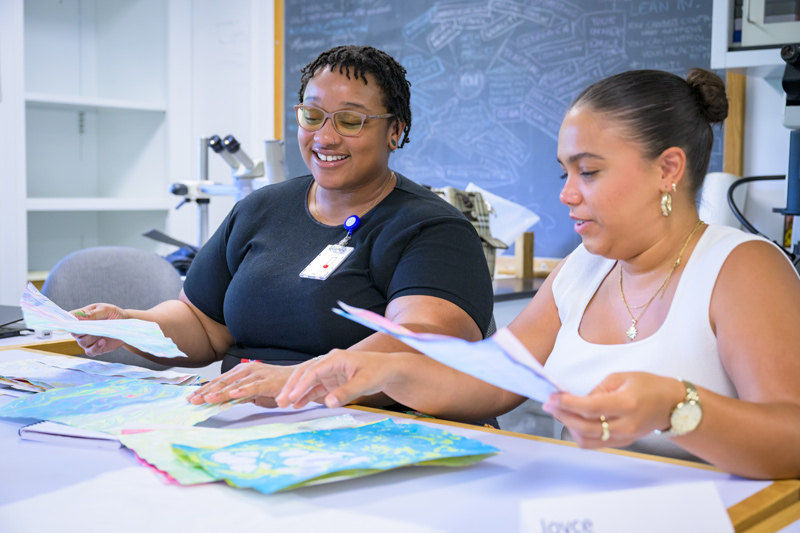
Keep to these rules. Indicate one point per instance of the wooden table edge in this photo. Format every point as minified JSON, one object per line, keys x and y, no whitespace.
{"x":57,"y":346}
{"x":781,"y":496}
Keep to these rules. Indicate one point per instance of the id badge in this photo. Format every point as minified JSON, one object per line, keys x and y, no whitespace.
{"x":326,"y":262}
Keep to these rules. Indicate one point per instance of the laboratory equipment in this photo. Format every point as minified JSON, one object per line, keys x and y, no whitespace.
{"x":245,"y":174}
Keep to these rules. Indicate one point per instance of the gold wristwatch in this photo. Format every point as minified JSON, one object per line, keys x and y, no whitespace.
{"x":685,"y":416}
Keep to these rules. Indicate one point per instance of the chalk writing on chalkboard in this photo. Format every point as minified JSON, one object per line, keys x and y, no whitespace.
{"x":491,"y":80}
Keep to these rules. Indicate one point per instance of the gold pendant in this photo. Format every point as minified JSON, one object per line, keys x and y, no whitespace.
{"x":632,"y":331}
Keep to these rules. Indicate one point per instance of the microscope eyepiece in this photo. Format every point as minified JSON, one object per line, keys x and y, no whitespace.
{"x":215,"y":143}
{"x":218,"y":145}
{"x":231,"y":144}
{"x":791,"y":54}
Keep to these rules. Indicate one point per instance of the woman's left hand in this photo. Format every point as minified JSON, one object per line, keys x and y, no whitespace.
{"x":258,"y":381}
{"x":632,"y":403}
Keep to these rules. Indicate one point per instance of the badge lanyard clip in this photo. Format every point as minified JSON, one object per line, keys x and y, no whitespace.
{"x":332,"y":256}
{"x":351,"y":224}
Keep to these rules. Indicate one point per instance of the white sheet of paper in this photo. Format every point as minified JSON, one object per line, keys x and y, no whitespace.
{"x":500,"y":360}
{"x":510,"y":219}
{"x":42,"y":313}
{"x":64,"y":435}
{"x":669,"y":508}
{"x":11,"y":393}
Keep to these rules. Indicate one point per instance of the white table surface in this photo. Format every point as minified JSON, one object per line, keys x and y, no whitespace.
{"x":48,"y":487}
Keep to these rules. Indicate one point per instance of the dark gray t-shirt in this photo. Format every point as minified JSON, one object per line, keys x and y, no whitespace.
{"x":412,"y":243}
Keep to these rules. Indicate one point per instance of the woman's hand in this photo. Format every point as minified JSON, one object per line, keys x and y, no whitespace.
{"x":633,"y":404}
{"x":337,"y":379}
{"x":91,"y":344}
{"x":260,"y":382}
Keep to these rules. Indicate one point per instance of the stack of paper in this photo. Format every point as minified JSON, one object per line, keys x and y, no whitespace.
{"x":113,"y":405}
{"x":154,"y":446}
{"x":50,"y":372}
{"x":314,"y":457}
{"x":67,"y":435}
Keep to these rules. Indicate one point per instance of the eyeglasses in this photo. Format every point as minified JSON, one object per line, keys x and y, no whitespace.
{"x":347,"y":123}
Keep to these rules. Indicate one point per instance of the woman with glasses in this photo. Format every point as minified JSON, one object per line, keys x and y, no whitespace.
{"x":672,"y":336}
{"x":259,"y":294}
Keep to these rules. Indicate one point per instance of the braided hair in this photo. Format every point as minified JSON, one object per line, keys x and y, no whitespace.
{"x":390,"y":75}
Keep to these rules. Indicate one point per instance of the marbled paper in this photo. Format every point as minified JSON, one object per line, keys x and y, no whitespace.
{"x":155,"y":447}
{"x":112,"y":405}
{"x":42,"y":313}
{"x":34,"y":376}
{"x":501,"y":360}
{"x":292,"y":461}
{"x":104,"y":368}
{"x":53,"y":372}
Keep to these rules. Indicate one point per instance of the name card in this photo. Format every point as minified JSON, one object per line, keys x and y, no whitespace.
{"x":682,"y":507}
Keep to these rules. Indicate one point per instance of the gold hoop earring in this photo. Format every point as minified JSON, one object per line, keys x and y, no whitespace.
{"x":666,"y":204}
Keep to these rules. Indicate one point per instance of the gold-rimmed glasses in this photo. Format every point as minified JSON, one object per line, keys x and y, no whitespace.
{"x":347,"y":123}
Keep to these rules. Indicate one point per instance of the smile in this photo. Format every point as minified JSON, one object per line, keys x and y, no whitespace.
{"x":323,"y":157}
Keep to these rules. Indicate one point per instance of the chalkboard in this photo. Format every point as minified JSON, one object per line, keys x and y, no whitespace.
{"x":491,"y":80}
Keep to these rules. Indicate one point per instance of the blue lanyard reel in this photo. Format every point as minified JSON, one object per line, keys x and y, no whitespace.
{"x":351,"y":224}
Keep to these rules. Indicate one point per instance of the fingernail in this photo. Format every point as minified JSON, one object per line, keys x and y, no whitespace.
{"x":547,"y":408}
{"x":80,"y":313}
{"x":331,"y":402}
{"x":101,"y":343}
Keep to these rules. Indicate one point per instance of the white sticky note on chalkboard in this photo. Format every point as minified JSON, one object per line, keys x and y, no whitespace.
{"x":682,"y":507}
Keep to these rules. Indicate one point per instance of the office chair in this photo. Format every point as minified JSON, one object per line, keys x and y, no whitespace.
{"x":126,"y":277}
{"x":491,"y":328}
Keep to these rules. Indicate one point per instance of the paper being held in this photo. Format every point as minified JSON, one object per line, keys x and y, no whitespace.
{"x":501,"y":360}
{"x":42,"y":313}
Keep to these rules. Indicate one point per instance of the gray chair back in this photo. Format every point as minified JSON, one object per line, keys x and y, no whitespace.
{"x":126,"y":277}
{"x":491,"y":329}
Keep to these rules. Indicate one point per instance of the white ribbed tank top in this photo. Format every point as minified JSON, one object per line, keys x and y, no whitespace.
{"x":683,"y":347}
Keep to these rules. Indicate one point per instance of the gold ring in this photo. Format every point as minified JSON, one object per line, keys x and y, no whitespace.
{"x":606,"y":433}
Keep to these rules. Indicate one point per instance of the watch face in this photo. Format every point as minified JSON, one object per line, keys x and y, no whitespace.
{"x":686,"y":417}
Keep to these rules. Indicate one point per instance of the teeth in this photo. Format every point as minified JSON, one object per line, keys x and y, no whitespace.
{"x":324,"y":157}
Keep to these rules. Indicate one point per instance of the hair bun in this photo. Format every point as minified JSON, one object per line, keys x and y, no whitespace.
{"x":709,"y":89}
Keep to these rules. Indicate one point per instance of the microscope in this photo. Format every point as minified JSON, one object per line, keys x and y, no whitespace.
{"x":790,"y":53}
{"x":243,"y":171}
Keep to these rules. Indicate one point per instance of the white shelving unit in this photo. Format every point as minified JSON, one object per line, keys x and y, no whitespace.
{"x":762,"y":63}
{"x":96,"y":124}
{"x":101,"y":106}
{"x":80,"y":103}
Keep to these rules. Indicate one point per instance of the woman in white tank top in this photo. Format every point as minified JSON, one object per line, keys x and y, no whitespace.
{"x":650,"y":296}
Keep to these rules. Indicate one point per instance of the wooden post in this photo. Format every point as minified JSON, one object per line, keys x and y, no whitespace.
{"x":523,"y":256}
{"x":279,"y":74}
{"x":733,"y":154}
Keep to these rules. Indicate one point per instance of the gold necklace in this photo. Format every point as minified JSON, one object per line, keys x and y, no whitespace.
{"x":632,"y":331}
{"x":367,"y":210}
